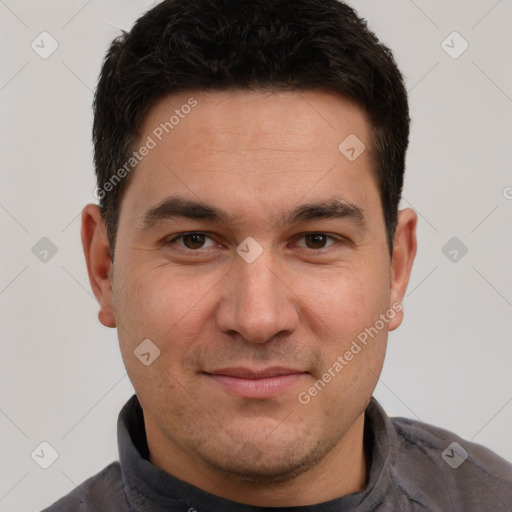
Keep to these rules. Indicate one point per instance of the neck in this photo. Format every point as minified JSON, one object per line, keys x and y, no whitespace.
{"x":343,"y":470}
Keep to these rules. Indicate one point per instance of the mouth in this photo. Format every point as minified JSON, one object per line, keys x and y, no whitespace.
{"x":257,"y":384}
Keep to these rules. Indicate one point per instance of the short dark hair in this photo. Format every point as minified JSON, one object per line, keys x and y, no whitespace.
{"x":205,"y":45}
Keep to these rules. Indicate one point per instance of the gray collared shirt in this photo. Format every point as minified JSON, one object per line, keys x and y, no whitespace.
{"x":414,"y":467}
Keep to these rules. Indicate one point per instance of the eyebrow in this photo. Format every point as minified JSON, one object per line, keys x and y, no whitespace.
{"x":176,"y":206}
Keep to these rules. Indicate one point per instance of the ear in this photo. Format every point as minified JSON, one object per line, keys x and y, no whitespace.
{"x":404,"y":252}
{"x":99,"y":264}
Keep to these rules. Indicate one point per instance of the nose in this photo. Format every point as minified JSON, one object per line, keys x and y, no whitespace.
{"x":257,"y":302}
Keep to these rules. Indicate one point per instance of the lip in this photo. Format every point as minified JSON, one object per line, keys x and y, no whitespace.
{"x":249,"y":383}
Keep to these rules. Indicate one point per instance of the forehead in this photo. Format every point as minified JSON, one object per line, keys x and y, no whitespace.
{"x":231,"y":118}
{"x":271,"y":147}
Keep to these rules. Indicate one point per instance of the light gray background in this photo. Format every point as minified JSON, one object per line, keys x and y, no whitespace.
{"x":62,"y":377}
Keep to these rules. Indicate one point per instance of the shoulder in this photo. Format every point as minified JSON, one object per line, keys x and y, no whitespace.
{"x":103,"y":491}
{"x":441,"y":466}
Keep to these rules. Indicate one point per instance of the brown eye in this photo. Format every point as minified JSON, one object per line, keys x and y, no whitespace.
{"x":192,"y":241}
{"x":316,"y":240}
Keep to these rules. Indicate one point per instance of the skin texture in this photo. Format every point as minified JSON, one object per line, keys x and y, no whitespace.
{"x":299,"y":304}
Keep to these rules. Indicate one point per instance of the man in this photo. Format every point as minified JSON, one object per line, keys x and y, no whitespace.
{"x":249,"y":250}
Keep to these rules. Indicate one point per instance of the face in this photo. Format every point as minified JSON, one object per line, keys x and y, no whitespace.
{"x":255,"y":298}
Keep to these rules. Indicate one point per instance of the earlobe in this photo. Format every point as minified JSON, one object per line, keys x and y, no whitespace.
{"x":99,"y":264}
{"x":404,"y":252}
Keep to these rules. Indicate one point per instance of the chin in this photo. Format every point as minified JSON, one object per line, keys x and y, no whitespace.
{"x":265,"y":470}
{"x":261,"y":461}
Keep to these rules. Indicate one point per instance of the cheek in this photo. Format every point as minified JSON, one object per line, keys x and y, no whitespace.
{"x":351,"y":301}
{"x":354,"y":331}
{"x":153,"y":304}
{"x":160,"y":304}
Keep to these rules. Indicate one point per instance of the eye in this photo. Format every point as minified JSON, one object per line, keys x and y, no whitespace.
{"x":195,"y":240}
{"x":317,"y":240}
{"x":192,"y":241}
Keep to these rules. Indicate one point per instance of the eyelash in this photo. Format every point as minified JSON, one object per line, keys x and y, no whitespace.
{"x":171,"y":241}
